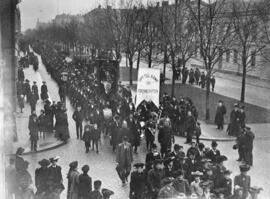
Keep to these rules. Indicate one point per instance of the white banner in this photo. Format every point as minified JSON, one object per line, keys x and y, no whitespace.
{"x":148,"y":86}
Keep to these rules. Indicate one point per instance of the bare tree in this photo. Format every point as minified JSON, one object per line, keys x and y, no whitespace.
{"x":248,"y":38}
{"x":179,"y":34}
{"x":215,"y":37}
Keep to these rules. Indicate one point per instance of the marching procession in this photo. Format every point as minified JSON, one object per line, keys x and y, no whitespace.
{"x":100,"y":110}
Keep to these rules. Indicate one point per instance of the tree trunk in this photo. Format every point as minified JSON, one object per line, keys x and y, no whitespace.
{"x":207,"y":98}
{"x":150,"y":58}
{"x":243,"y":89}
{"x":138,"y":59}
{"x":130,"y":69}
{"x":173,"y":75}
{"x":165,"y":62}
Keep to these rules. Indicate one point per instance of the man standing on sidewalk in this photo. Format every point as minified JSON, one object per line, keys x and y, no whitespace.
{"x":78,"y":118}
{"x":33,"y":128}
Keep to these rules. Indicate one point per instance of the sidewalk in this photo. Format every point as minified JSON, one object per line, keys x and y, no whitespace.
{"x":22,"y":119}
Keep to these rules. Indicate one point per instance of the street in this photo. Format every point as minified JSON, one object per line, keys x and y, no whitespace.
{"x":102,"y":165}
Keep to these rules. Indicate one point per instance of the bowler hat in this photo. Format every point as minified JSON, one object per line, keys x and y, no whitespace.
{"x":73,"y":164}
{"x":244,"y":168}
{"x":214,"y":144}
{"x":44,"y":163}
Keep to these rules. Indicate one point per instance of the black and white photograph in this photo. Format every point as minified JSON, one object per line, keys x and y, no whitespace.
{"x":134,"y":99}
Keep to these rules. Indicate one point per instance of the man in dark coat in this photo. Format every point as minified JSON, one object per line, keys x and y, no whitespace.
{"x":124,"y":132}
{"x":55,"y":179}
{"x":35,"y":89}
{"x":224,"y":185}
{"x":243,"y":180}
{"x":234,"y":127}
{"x":165,"y":137}
{"x":78,"y":118}
{"x":197,"y":75}
{"x":87,"y":137}
{"x":41,"y":179}
{"x":190,"y":125}
{"x":213,"y":82}
{"x":95,"y":134}
{"x":154,"y":178}
{"x":220,"y":112}
{"x":20,"y":74}
{"x":151,"y":157}
{"x":33,"y":128}
{"x":44,"y":91}
{"x":134,"y":128}
{"x":33,"y":101}
{"x":248,"y":146}
{"x":115,"y":131}
{"x":85,"y":184}
{"x":214,"y":153}
{"x":138,"y":182}
{"x":27,"y":89}
{"x":203,"y":80}
{"x":124,"y":158}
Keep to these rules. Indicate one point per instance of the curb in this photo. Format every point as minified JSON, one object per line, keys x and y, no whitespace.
{"x":54,"y":146}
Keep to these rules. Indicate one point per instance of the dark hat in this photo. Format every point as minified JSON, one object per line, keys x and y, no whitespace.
{"x":27,"y":80}
{"x":220,"y":101}
{"x":197,"y":173}
{"x":227,"y":172}
{"x":198,"y":123}
{"x":138,"y":165}
{"x":85,"y":168}
{"x":214,"y":144}
{"x":167,"y":180}
{"x":106,"y":193}
{"x":43,"y":82}
{"x":44,"y":163}
{"x":221,"y":158}
{"x":54,"y":159}
{"x":177,"y":147}
{"x":247,"y":128}
{"x":158,"y":161}
{"x":154,"y":146}
{"x":178,"y":172}
{"x":168,"y":160}
{"x":244,"y":168}
{"x":20,"y":151}
{"x":34,"y":82}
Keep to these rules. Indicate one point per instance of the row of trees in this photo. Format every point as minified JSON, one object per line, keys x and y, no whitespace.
{"x":170,"y":33}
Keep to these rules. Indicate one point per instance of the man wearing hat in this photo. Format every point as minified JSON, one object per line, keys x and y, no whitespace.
{"x":168,"y":169}
{"x":27,"y":89}
{"x":55,"y":178}
{"x":124,"y":158}
{"x":78,"y":118}
{"x":220,"y":112}
{"x":44,"y":91}
{"x":154,"y":178}
{"x":151,"y":157}
{"x":138,"y":182}
{"x":85,"y":183}
{"x":220,"y":168}
{"x":106,"y":193}
{"x":234,"y":121}
{"x":41,"y":178}
{"x":180,"y":183}
{"x":35,"y":89}
{"x":243,"y":180}
{"x":214,"y":153}
{"x":248,"y":146}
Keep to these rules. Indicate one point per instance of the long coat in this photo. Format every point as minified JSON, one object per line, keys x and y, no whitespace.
{"x":33,"y":128}
{"x":41,"y":180}
{"x":124,"y":158}
{"x":219,"y":118}
{"x":138,"y":184}
{"x":73,"y":177}
{"x":85,"y":186}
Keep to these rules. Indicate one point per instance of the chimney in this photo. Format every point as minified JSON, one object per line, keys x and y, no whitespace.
{"x":165,"y":3}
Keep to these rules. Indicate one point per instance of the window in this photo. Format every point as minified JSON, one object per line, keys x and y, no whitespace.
{"x":253,"y":58}
{"x":235,"y":55}
{"x":227,"y":56}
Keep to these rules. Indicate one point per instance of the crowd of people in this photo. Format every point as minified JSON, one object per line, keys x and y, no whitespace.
{"x":198,"y":172}
{"x":195,"y":77}
{"x":49,"y":180}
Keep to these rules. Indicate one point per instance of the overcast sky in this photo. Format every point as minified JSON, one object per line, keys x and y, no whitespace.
{"x":46,"y":10}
